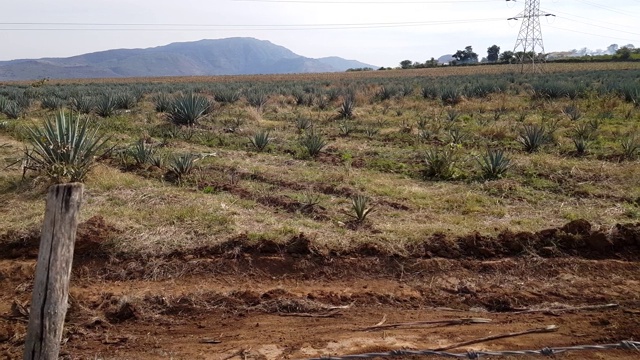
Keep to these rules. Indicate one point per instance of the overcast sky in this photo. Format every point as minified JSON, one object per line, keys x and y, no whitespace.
{"x":377,"y":32}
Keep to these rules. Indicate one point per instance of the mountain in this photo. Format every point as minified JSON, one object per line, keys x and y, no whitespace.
{"x":342,"y":64}
{"x":232,"y":56}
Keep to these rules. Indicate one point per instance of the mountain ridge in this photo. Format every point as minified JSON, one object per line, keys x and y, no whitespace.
{"x":207,"y":57}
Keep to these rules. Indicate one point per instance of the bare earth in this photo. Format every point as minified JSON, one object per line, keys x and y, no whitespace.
{"x":292,"y":302}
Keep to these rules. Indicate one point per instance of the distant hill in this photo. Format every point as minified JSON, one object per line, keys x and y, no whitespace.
{"x":445,"y":59}
{"x":232,"y":56}
{"x":343,"y":64}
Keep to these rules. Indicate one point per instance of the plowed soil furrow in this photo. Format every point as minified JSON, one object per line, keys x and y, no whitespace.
{"x":294,"y":307}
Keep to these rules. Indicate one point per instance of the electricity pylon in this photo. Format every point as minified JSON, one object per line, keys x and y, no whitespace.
{"x":530,"y":36}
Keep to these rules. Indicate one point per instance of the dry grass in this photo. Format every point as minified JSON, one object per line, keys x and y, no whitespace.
{"x":225,"y":196}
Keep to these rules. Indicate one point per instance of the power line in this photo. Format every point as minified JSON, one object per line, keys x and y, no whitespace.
{"x":206,"y":27}
{"x":602,"y":27}
{"x":592,"y":34}
{"x":582,"y":17}
{"x":263,"y":27}
{"x":608,"y":8}
{"x":367,"y":2}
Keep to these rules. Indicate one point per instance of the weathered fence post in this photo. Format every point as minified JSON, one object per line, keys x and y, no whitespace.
{"x":51,"y":285}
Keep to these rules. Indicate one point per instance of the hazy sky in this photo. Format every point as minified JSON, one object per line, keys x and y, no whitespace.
{"x":378,"y":32}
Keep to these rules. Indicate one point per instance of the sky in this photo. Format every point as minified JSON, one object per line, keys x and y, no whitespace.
{"x":376,"y":32}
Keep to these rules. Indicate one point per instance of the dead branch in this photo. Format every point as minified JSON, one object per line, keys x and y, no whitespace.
{"x":333,"y":313}
{"x":570,"y":308}
{"x":447,"y":322}
{"x":547,"y":329}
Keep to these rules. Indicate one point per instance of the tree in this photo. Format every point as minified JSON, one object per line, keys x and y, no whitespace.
{"x":507,"y":57}
{"x":623,"y":53}
{"x":466,"y":56}
{"x":611,"y":49}
{"x":493,"y":53}
{"x":406,"y":64}
{"x":431,"y":63}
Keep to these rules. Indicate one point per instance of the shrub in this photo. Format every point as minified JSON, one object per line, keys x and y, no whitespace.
{"x":494,"y":164}
{"x":65,"y":148}
{"x":532,"y":137}
{"x":188,"y":109}
{"x":260,"y":140}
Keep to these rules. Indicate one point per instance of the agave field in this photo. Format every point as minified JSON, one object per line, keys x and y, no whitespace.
{"x":331,"y":194}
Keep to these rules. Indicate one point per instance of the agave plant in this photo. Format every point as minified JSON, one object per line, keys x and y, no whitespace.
{"x":303,"y":124}
{"x":457,"y":136}
{"x":313,"y":143}
{"x":345,"y":127}
{"x":65,"y":148}
{"x":106,"y":105}
{"x":126,"y":100}
{"x":450,"y":95}
{"x":182,"y":165}
{"x":82,"y":104}
{"x":260,"y":140}
{"x":188,"y":109}
{"x":533,"y":137}
{"x":142,"y":153}
{"x":581,"y":143}
{"x":12,"y":109}
{"x":3,"y":103}
{"x":257,"y":98}
{"x":346,"y":108}
{"x":386,"y":93}
{"x":226,"y":96}
{"x":360,"y":208}
{"x":439,"y":164}
{"x":322,"y":101}
{"x":430,"y":92}
{"x":630,"y":147}
{"x":51,"y":103}
{"x":572,"y":111}
{"x":162,"y":102}
{"x":494,"y":164}
{"x":371,"y":131}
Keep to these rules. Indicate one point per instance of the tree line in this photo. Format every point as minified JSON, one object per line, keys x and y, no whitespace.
{"x":468,"y":57}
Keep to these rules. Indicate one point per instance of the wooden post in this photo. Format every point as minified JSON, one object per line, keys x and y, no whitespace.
{"x":51,"y":286}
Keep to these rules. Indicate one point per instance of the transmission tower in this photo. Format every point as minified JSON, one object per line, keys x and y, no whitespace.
{"x":530,"y":36}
